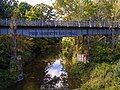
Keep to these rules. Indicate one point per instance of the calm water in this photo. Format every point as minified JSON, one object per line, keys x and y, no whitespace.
{"x":44,"y":75}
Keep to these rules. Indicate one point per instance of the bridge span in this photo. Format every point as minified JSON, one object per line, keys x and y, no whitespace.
{"x":39,"y":28}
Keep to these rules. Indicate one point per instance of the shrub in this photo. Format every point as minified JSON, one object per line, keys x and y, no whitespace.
{"x":104,"y":76}
{"x":5,"y":79}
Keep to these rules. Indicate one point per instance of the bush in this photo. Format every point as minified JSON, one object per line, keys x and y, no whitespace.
{"x":68,"y":47}
{"x":80,"y":72}
{"x":5,"y":79}
{"x":104,"y":76}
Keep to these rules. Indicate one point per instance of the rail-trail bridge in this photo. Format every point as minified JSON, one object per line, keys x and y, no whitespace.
{"x":49,"y":29}
{"x":39,"y":28}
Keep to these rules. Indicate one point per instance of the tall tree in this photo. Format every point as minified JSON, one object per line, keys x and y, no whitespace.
{"x":74,"y":9}
{"x":23,"y":7}
{"x":87,"y":9}
{"x":7,"y":7}
{"x":40,"y":12}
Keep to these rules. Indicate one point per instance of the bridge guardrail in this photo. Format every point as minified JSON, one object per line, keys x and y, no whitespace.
{"x":22,"y":22}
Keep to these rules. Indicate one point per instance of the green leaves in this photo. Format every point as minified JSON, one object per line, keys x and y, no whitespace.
{"x":103,"y":77}
{"x":87,"y":9}
{"x":5,"y":79}
{"x":40,"y":12}
{"x":23,"y":7}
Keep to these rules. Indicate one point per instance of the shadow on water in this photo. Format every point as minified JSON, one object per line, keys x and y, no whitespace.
{"x":43,"y":75}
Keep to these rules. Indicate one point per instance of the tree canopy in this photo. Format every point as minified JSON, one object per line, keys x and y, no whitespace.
{"x":88,"y":9}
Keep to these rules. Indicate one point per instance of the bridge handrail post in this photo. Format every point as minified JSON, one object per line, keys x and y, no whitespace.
{"x":78,"y":23}
{"x":60,"y":23}
{"x":117,"y":24}
{"x":55,"y":23}
{"x":5,"y":22}
{"x":92,"y":23}
{"x":89,"y":22}
{"x":42,"y":23}
{"x":86,"y":23}
{"x":95,"y":23}
{"x":38,"y":22}
{"x":81,"y":22}
{"x":103,"y":24}
{"x":21,"y":22}
{"x":0,"y":21}
{"x":68,"y":24}
{"x":100,"y":23}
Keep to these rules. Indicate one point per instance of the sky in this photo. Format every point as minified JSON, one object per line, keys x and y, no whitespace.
{"x":34,"y":2}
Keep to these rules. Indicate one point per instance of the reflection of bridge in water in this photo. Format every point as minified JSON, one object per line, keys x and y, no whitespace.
{"x":39,"y":28}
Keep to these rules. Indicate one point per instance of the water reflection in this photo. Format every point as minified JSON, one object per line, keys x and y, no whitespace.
{"x":56,"y":77}
{"x":43,"y":75}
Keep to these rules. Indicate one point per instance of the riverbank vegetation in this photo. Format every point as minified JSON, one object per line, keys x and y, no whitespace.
{"x":103,"y":69}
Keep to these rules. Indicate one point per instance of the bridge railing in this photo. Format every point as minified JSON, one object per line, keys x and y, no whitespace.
{"x":22,"y":22}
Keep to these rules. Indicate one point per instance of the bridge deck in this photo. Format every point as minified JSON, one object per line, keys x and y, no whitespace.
{"x":60,"y":28}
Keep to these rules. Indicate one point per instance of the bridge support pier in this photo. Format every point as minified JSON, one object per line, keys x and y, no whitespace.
{"x":108,"y":40}
{"x":86,"y":46}
{"x":111,"y":41}
{"x":15,"y":62}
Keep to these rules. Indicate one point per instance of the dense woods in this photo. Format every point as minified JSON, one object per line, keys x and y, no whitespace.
{"x":103,"y":69}
{"x":28,"y":48}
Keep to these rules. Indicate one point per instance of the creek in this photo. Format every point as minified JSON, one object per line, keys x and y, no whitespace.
{"x":44,"y":75}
